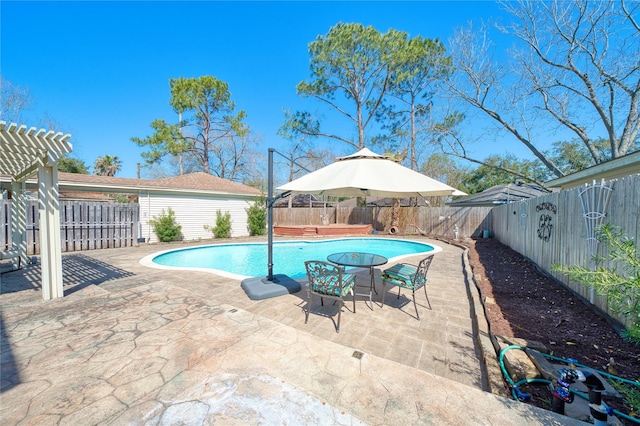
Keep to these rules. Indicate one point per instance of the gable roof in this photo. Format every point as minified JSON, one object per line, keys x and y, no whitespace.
{"x":501,"y":194}
{"x":201,"y":180}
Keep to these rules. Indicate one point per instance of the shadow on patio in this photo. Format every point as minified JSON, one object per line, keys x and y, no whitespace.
{"x":78,"y":272}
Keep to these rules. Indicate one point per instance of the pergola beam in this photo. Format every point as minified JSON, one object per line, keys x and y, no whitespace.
{"x":20,"y":146}
{"x":27,"y":172}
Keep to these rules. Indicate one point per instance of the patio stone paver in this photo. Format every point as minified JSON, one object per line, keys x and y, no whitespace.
{"x":135,"y":345}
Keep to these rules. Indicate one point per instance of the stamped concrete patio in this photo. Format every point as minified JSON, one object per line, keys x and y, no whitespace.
{"x":135,"y":345}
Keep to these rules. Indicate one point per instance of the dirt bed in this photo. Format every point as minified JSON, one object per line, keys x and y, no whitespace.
{"x":522,"y":302}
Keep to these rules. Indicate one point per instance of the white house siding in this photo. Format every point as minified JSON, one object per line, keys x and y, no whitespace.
{"x":193,"y":211}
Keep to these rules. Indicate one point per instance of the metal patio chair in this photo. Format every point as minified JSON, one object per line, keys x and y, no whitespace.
{"x":328,"y":281}
{"x":408,"y":276}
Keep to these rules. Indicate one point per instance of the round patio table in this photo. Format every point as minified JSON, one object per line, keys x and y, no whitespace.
{"x":362,"y":260}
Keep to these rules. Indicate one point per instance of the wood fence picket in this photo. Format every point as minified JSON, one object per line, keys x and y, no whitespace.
{"x":83,"y":225}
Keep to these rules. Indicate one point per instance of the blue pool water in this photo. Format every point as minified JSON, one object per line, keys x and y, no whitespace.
{"x":250,"y":259}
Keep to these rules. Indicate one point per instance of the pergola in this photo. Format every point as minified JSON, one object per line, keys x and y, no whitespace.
{"x":24,"y":153}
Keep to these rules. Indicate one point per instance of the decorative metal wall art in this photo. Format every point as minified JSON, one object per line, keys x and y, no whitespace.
{"x":545,"y":225}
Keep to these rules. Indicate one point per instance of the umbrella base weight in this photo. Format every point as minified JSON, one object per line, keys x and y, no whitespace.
{"x":258,"y":288}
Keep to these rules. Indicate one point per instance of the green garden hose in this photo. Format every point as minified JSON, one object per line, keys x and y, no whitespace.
{"x":520,"y":396}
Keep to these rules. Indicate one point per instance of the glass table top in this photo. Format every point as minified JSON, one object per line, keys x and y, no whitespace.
{"x":357,"y":259}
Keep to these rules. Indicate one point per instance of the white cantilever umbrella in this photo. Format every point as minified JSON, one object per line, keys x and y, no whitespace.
{"x":367,"y":173}
{"x":363,"y":173}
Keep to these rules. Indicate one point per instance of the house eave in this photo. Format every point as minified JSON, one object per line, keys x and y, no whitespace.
{"x":617,"y":168}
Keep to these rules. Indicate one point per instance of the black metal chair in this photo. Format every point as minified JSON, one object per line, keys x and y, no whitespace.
{"x":408,"y":276}
{"x":330,"y":281}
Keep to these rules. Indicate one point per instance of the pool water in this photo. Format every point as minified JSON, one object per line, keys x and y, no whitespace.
{"x":250,"y":259}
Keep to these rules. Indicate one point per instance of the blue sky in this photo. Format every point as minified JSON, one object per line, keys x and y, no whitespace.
{"x":102,"y":69}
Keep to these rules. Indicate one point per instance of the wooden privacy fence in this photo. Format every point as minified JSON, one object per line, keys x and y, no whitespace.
{"x":83,"y":225}
{"x":552,"y":229}
{"x":437,"y":221}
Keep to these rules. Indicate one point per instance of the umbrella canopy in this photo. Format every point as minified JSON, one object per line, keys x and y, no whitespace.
{"x":367,"y":173}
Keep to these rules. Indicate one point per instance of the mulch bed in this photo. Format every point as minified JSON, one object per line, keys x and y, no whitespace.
{"x":531,"y":305}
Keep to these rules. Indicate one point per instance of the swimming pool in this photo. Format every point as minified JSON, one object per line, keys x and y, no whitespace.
{"x":244,"y":260}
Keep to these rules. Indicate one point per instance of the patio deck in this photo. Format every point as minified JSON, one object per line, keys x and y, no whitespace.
{"x":135,"y":345}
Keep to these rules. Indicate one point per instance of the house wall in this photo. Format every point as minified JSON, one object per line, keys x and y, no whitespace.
{"x":192,"y":212}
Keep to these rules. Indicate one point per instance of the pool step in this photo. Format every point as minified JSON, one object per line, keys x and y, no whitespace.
{"x":309,"y":231}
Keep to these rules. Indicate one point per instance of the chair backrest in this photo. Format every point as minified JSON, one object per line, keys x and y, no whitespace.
{"x":324,"y":277}
{"x":420,"y":277}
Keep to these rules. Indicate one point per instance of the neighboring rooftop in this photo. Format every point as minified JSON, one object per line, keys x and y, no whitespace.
{"x":82,"y":196}
{"x":300,"y":200}
{"x":501,"y":194}
{"x":374,"y":201}
{"x":199,"y":181}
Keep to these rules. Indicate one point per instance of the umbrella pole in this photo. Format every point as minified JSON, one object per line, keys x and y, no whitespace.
{"x":258,"y":288}
{"x":270,"y":218}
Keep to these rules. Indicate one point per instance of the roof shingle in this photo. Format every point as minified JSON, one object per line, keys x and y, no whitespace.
{"x":198,"y":181}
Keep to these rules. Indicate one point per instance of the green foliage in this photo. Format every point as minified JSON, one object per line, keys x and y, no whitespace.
{"x":630,"y":394}
{"x":223,"y":225}
{"x":166,"y":140}
{"x":494,"y":174}
{"x":107,"y":165}
{"x":72,"y":165}
{"x":616,"y":276}
{"x":209,"y":124}
{"x":443,"y":168}
{"x":209,"y":102}
{"x":418,"y":62}
{"x":418,"y":65}
{"x":119,"y":198}
{"x":257,"y":217}
{"x":298,"y":123}
{"x":573,"y":156}
{"x":353,"y":63}
{"x":165,"y":226}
